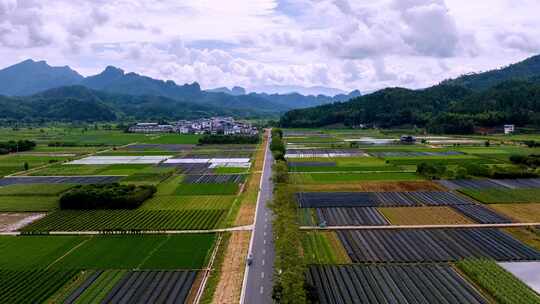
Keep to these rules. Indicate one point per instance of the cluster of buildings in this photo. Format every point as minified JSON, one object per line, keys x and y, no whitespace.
{"x":214,"y":125}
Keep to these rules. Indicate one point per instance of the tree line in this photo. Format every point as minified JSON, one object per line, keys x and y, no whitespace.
{"x":13,"y":146}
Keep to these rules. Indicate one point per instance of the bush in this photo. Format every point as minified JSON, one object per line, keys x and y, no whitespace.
{"x":431,"y":170}
{"x":106,"y":196}
{"x":532,"y":160}
{"x":16,"y":146}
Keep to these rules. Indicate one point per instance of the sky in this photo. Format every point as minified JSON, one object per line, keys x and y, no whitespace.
{"x":343,"y":44}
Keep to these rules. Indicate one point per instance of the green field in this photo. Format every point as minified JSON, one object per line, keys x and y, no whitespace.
{"x":102,"y":220}
{"x":105,"y":252}
{"x":184,"y":202}
{"x":28,"y":203}
{"x":319,"y":248}
{"x":98,"y":290}
{"x":500,"y":284}
{"x":34,"y":189}
{"x":339,"y":178}
{"x":32,"y":286}
{"x":504,"y":196}
{"x":207,"y":189}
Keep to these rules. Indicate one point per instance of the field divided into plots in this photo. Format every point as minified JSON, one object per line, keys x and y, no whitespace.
{"x":134,"y":287}
{"x":126,"y":220}
{"x":428,"y":283}
{"x":433,"y":245}
{"x":404,"y":265}
{"x":378,"y":199}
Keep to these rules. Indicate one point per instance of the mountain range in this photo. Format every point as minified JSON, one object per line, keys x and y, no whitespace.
{"x":33,"y":81}
{"x":507,"y":95}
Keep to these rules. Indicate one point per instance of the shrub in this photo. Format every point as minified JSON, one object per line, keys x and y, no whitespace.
{"x":431,"y":170}
{"x":106,"y":196}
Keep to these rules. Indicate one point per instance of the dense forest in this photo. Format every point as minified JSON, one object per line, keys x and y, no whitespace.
{"x":455,"y":106}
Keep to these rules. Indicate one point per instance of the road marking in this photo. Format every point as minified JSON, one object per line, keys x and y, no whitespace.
{"x":262,"y":275}
{"x":264,"y":233}
{"x":266,"y":219}
{"x":262,"y":262}
{"x":264,"y":251}
{"x":262,"y":289}
{"x":264,"y":242}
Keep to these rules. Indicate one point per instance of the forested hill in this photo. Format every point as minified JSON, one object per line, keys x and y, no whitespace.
{"x":30,"y":77}
{"x":524,"y":70}
{"x":443,"y":108}
{"x":509,"y":95}
{"x":78,"y":103}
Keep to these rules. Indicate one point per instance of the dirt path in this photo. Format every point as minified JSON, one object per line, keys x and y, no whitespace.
{"x":510,"y":225}
{"x":232,"y":269}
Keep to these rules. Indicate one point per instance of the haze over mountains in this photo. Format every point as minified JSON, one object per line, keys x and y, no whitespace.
{"x":507,"y":95}
{"x":29,"y":78}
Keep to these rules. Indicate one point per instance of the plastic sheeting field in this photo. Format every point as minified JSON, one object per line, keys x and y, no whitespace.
{"x":114,"y":160}
{"x":433,"y":245}
{"x":378,"y":199}
{"x":350,"y":216}
{"x":81,"y":180}
{"x":392,"y":284}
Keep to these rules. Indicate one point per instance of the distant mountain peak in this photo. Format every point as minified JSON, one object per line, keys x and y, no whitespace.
{"x":112,"y":70}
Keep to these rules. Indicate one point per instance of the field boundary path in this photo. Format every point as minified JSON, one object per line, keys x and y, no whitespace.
{"x":109,"y":232}
{"x":257,"y":284}
{"x":390,"y":227}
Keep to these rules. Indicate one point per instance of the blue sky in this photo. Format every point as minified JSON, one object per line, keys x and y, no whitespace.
{"x":344,"y":44}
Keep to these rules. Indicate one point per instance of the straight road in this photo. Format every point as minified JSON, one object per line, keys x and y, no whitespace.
{"x":257,"y":287}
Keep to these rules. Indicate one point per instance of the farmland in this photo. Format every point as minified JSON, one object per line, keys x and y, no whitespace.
{"x":126,"y":220}
{"x":423,"y":216}
{"x":105,"y":252}
{"x":391,"y":284}
{"x":148,"y":254}
{"x":504,"y":287}
{"x":377,"y":184}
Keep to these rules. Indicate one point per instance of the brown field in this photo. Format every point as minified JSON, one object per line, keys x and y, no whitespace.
{"x":232,"y":269}
{"x":424,"y":216}
{"x":529,"y":236}
{"x":374,"y":186}
{"x":340,"y":252}
{"x":526,"y":213}
{"x":11,"y":221}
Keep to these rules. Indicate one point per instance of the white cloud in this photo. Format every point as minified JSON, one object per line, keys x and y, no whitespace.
{"x":345,"y":44}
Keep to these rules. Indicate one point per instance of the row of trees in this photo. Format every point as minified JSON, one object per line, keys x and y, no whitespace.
{"x":467,"y":170}
{"x":276,"y":145}
{"x":290,"y":286}
{"x":106,"y":196}
{"x":16,"y":146}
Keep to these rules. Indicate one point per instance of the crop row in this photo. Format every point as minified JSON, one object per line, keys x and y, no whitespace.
{"x":207,"y":189}
{"x":482,"y":214}
{"x":214,"y":178}
{"x":100,"y":220}
{"x":414,"y":153}
{"x":33,"y":286}
{"x":391,"y":284}
{"x":433,"y":245}
{"x":58,"y":180}
{"x":502,"y":285}
{"x":134,"y":287}
{"x":378,"y":199}
{"x":478,"y":184}
{"x":189,"y":168}
{"x":350,"y":216}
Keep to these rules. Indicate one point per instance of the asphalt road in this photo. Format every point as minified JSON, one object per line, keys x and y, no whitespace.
{"x":258,"y":280}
